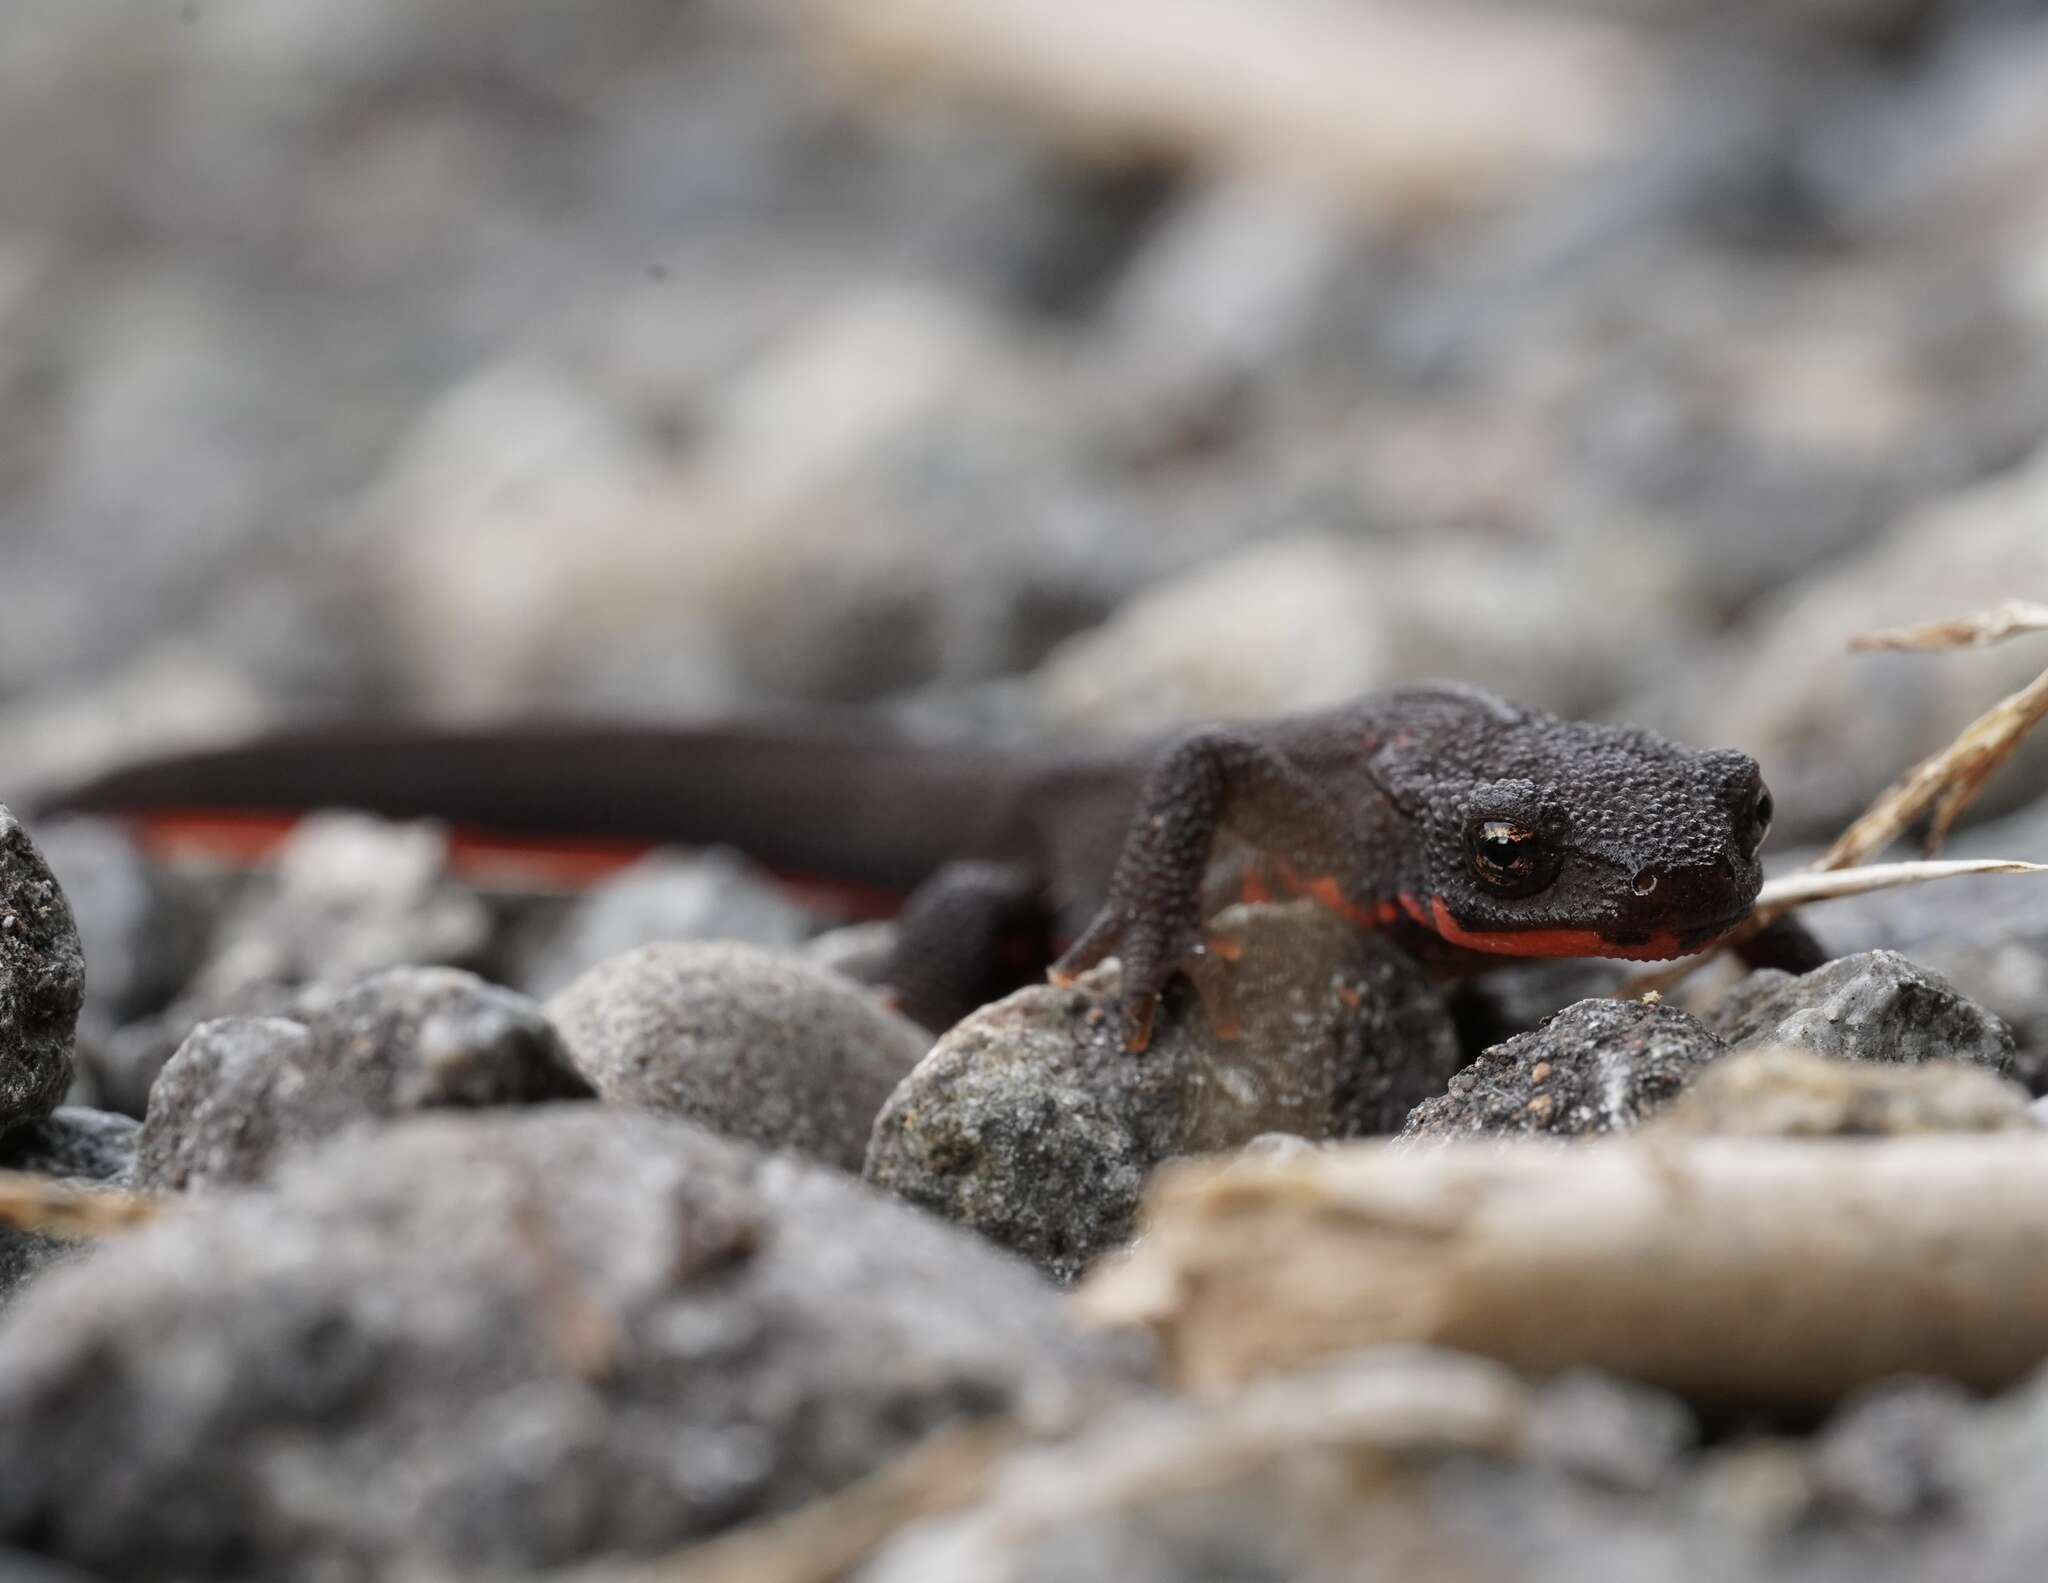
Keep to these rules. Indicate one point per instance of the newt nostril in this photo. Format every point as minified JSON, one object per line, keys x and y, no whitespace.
{"x":1644,"y":882}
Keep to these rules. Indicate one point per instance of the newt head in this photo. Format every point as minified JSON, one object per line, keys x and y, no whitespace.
{"x":1552,"y":838}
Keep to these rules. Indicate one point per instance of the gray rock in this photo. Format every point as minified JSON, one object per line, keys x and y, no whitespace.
{"x":126,"y":1063}
{"x":1490,"y":1479}
{"x":349,"y":896}
{"x":1874,"y":1007}
{"x":479,"y":1344}
{"x":750,"y":1044}
{"x":1773,"y":1091}
{"x":42,"y":981}
{"x":714,"y":895}
{"x":1597,"y":1066}
{"x":73,"y":1141}
{"x":1242,"y":1485}
{"x":1987,"y":935}
{"x":862,"y":952}
{"x":1893,"y":1454}
{"x":26,"y":1255}
{"x":1031,"y":1123}
{"x":70,"y":1142}
{"x":241,"y":1091}
{"x":142,"y":935}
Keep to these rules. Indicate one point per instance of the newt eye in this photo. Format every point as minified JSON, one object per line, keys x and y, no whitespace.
{"x":1761,"y":817}
{"x":1510,"y":858}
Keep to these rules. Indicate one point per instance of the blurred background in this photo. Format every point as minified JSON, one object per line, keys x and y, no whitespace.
{"x":1020,"y":367}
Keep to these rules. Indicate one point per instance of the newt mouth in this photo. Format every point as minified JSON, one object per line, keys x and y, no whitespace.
{"x":1658,"y":946}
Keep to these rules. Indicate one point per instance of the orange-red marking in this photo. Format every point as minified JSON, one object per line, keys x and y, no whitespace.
{"x":1324,"y":891}
{"x":1436,"y":917}
{"x":539,"y":863}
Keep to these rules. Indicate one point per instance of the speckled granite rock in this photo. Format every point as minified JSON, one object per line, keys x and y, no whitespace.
{"x":1874,"y":1007}
{"x":1597,"y":1066}
{"x":1032,"y":1124}
{"x":752,"y":1045}
{"x":488,"y":1344}
{"x":243,"y":1090}
{"x":42,"y":981}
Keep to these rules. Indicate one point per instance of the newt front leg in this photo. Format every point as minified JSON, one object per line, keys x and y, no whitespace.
{"x":1212,"y":780}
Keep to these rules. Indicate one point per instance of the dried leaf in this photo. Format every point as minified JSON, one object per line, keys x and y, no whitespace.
{"x":2012,"y":619}
{"x":66,"y":1209}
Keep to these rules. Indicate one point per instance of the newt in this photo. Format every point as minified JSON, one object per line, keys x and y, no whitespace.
{"x":1473,"y":830}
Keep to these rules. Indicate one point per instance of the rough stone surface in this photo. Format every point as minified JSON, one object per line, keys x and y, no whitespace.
{"x":863,"y":952}
{"x":71,"y":1142}
{"x":349,"y":896}
{"x":126,"y":1064}
{"x":1597,"y":1066}
{"x":750,"y":1044}
{"x":1031,"y":1123}
{"x":1874,"y":1007}
{"x":1782,"y":1092}
{"x":1987,"y":935}
{"x":480,"y":1344}
{"x":716,"y":895}
{"x":1240,"y":1486}
{"x":241,"y":1091}
{"x":1489,"y":1479}
{"x":42,"y":981}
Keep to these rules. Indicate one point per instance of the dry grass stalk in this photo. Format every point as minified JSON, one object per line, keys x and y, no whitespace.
{"x":65,"y":1209}
{"x":1787,"y":891}
{"x":2014,"y":618}
{"x":1941,"y":787}
{"x":1727,"y":1269}
{"x":1938,"y":788}
{"x":1404,"y":109}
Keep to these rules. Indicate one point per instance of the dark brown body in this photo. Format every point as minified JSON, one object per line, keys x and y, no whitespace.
{"x":1369,"y":808}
